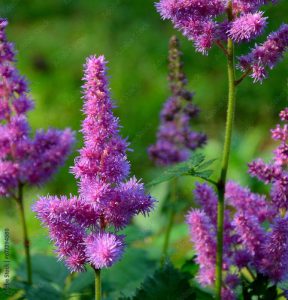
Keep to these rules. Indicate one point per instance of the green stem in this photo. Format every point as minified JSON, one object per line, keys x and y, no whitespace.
{"x":26,"y":241}
{"x":170,"y":223}
{"x":225,"y":160}
{"x":98,"y":284}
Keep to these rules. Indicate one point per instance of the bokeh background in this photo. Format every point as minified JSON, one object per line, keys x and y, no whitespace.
{"x":54,"y":37}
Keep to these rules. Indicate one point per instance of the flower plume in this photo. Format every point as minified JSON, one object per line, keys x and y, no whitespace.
{"x":84,"y":228}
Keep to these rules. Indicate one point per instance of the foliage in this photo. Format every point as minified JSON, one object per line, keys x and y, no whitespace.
{"x":169,"y":283}
{"x":260,"y":288}
{"x":195,"y":166}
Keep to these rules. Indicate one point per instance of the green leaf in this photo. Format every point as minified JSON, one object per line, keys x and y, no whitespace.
{"x":82,"y":282}
{"x":168,"y":283}
{"x":260,"y":288}
{"x":190,"y":267}
{"x":43,"y":291}
{"x":45,"y":269}
{"x":206,"y":164}
{"x":6,"y":294}
{"x":203,"y":174}
{"x":195,"y":166}
{"x":124,"y":277}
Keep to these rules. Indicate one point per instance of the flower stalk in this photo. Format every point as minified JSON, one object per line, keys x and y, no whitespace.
{"x":225,"y":159}
{"x":171,"y":219}
{"x":98,"y":289}
{"x":26,"y":240}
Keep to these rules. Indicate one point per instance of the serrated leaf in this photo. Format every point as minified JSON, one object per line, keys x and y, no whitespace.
{"x":127,"y":274}
{"x":259,"y":288}
{"x":190,"y":267}
{"x":206,"y":164}
{"x":167,"y":283}
{"x":45,"y":269}
{"x":43,"y":291}
{"x":194,"y":167}
{"x":82,"y":282}
{"x":203,"y":174}
{"x":6,"y":294}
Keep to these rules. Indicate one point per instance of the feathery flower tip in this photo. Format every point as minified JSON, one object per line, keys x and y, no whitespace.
{"x":276,"y":265}
{"x":175,"y":138}
{"x":104,"y":249}
{"x":247,"y":27}
{"x":266,"y":55}
{"x":284,"y":114}
{"x":252,"y":235}
{"x":203,"y":236}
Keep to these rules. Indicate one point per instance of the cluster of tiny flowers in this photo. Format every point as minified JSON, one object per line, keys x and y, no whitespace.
{"x":23,"y":159}
{"x":275,"y":173}
{"x":175,"y":139}
{"x":256,"y":226}
{"x":266,"y":55}
{"x":84,"y":228}
{"x":198,"y":21}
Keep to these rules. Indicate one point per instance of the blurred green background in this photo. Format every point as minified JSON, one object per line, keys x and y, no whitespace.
{"x":54,"y":37}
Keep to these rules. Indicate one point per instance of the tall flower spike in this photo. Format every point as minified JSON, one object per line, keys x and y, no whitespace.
{"x":275,"y":172}
{"x":246,"y":202}
{"x":256,"y":226}
{"x":203,"y":237}
{"x":275,"y":249}
{"x":251,"y":235}
{"x":107,"y":198}
{"x":175,"y":139}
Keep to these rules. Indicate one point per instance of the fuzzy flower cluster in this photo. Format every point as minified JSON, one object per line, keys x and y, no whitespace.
{"x":266,"y":55}
{"x":199,"y":21}
{"x":84,"y":227}
{"x":175,"y":139}
{"x":256,"y":226}
{"x":24,"y":159}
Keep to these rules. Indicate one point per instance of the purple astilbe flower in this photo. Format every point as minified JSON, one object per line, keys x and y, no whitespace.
{"x":9,"y":173}
{"x":247,"y":26}
{"x":279,"y":192}
{"x":249,"y":6}
{"x":246,"y":202}
{"x":84,"y":228}
{"x":194,"y":18}
{"x":280,"y":134}
{"x":206,"y":24}
{"x":175,"y":139}
{"x":275,"y":251}
{"x":264,"y":172}
{"x":251,"y":234}
{"x":47,"y":150}
{"x":31,"y":160}
{"x":275,"y":172}
{"x":255,"y":225}
{"x":228,"y":294}
{"x":103,"y":249}
{"x":203,"y":236}
{"x":266,"y":55}
{"x":206,"y":197}
{"x":284,"y":114}
{"x":242,"y":258}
